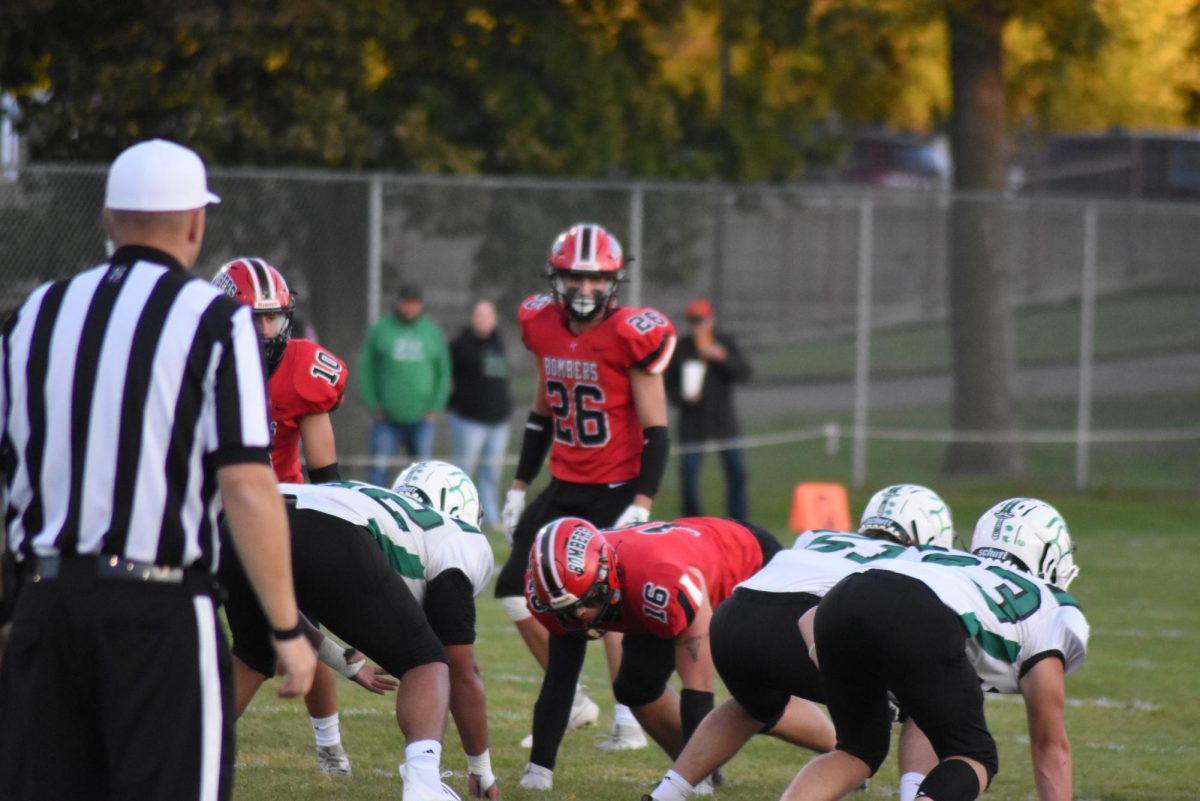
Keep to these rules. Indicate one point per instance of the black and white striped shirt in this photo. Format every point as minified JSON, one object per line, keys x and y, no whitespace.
{"x":122,"y":390}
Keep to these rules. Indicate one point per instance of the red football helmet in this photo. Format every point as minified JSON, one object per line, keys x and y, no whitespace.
{"x":570,"y":565}
{"x":261,"y":287}
{"x":585,"y":249}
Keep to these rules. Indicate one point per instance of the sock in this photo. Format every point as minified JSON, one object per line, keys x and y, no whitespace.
{"x":909,"y":783}
{"x":673,"y":787}
{"x":424,"y":759}
{"x":327,"y":730}
{"x":623,"y":716}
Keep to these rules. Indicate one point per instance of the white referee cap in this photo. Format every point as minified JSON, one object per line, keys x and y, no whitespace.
{"x":157,"y":175}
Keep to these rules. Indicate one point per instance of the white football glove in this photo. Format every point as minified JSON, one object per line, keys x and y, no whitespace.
{"x":632,"y":516}
{"x":537,"y":778}
{"x":514,"y":504}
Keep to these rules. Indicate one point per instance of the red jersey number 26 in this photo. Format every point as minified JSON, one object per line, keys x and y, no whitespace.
{"x":577,"y":420}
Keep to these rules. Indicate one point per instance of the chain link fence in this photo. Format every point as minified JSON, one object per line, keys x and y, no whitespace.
{"x":786,"y":266}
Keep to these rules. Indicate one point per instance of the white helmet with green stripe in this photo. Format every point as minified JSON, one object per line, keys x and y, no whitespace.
{"x":908,"y":514}
{"x":442,"y":486}
{"x":1029,"y":534}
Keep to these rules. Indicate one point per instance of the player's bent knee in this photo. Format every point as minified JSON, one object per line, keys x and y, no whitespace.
{"x":951,"y":780}
{"x":516,"y":608}
{"x":872,"y":758}
{"x":634,"y":693}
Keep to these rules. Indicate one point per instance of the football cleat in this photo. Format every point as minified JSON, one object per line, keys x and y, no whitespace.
{"x":623,"y":737}
{"x":332,"y":760}
{"x":415,"y":790}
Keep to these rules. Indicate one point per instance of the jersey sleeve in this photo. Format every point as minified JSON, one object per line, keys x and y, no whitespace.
{"x":529,"y":310}
{"x":467,"y":552}
{"x":667,"y":600}
{"x":649,"y":338}
{"x":320,"y":377}
{"x":1066,"y":632}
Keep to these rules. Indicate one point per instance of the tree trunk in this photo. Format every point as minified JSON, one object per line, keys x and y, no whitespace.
{"x":981,"y":325}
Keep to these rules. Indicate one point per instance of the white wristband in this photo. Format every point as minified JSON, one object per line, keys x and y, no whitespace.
{"x":480,"y":765}
{"x":334,"y":655}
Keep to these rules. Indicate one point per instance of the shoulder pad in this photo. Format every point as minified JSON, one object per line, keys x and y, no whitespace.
{"x":534,"y":305}
{"x":648,"y":334}
{"x":320,"y":377}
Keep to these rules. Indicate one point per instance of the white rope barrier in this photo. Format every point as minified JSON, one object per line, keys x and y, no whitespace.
{"x":834,"y":433}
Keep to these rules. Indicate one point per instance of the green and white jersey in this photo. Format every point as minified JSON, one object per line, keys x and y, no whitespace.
{"x":1012,"y":619}
{"x":420,"y":543}
{"x":819,"y":559}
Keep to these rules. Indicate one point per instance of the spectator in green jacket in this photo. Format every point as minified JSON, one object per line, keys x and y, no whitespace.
{"x":404,"y":377}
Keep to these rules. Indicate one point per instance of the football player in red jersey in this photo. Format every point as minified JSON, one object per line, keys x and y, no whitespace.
{"x":599,"y":409}
{"x":656,"y":582}
{"x":305,"y":383}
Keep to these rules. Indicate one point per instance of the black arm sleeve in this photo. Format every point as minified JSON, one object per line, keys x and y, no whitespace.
{"x":321,"y":475}
{"x":534,"y":445}
{"x":655,"y":449}
{"x":553,"y":707}
{"x":450,"y":607}
{"x":693,"y":706}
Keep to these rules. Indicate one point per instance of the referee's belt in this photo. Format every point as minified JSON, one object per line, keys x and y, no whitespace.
{"x":104,"y":566}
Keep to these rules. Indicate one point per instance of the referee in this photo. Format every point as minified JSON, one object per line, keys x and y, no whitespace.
{"x":132,"y":404}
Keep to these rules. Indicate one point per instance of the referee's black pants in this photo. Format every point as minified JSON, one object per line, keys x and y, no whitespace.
{"x":115,"y":689}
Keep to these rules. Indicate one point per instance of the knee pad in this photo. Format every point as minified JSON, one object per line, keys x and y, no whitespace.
{"x":516,"y":608}
{"x":636,"y":691}
{"x":951,"y":780}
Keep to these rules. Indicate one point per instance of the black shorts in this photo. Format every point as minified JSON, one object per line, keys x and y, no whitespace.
{"x":343,"y":578}
{"x":115,"y":689}
{"x":759,"y":653}
{"x":646,"y":665}
{"x":599,"y":504}
{"x":879,"y":631}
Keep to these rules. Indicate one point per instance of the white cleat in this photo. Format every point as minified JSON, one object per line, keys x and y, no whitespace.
{"x":584,"y":712}
{"x":623,"y":737}
{"x":415,"y":790}
{"x":332,"y":760}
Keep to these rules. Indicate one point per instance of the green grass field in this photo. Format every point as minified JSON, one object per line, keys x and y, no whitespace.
{"x":1134,"y":707}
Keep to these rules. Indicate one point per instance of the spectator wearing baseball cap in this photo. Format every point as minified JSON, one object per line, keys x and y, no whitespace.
{"x":404,"y":378}
{"x":700,"y":383}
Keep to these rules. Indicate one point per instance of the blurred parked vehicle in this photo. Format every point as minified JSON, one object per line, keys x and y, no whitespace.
{"x":892,"y":160}
{"x":1127,"y":164}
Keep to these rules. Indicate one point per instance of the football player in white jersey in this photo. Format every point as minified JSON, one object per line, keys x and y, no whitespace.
{"x":935,"y":629}
{"x":427,"y":528}
{"x":757,"y":648}
{"x":344,"y":579}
